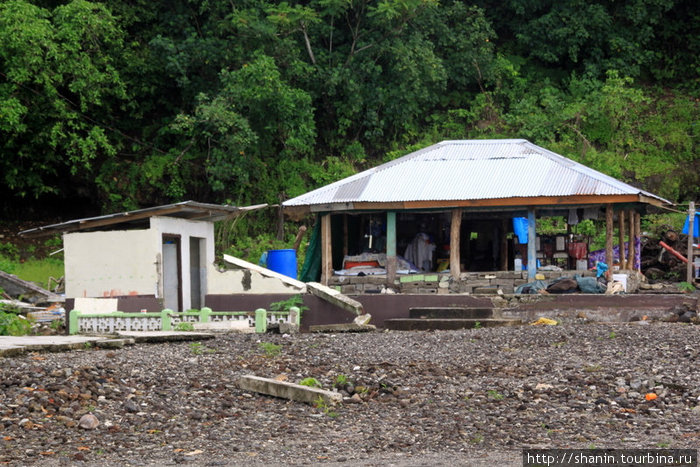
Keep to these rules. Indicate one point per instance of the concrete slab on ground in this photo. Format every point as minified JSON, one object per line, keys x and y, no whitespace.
{"x":239,"y":326}
{"x":11,"y":346}
{"x":165,"y":336}
{"x":286,"y":390}
{"x":17,"y":345}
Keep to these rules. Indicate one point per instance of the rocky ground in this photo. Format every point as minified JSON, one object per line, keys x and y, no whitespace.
{"x":473,"y":397}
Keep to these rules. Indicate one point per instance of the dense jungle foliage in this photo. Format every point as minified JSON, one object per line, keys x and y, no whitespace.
{"x":117,"y":105}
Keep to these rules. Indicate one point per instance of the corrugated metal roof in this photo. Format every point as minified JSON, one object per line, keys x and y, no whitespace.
{"x":470,"y":170}
{"x":191,"y":210}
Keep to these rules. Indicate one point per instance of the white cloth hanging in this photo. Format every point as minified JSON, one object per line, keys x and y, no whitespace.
{"x":420,"y":252}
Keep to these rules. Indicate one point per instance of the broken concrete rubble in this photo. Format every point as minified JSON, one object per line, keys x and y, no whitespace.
{"x":29,"y":291}
{"x":285,"y":390}
{"x":336,"y":298}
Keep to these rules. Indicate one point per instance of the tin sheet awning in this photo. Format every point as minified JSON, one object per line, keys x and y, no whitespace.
{"x":472,"y":170}
{"x":190,"y":210}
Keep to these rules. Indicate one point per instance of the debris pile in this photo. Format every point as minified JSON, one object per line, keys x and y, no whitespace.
{"x":41,"y":307}
{"x":659,"y":262}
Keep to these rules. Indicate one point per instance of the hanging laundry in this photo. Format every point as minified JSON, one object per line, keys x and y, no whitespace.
{"x":420,"y":252}
{"x":573,"y":217}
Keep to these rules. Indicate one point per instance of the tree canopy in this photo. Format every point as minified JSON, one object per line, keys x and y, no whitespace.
{"x":127,"y":104}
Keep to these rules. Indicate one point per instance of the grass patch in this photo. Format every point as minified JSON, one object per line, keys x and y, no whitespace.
{"x":270,"y":349}
{"x":39,"y":270}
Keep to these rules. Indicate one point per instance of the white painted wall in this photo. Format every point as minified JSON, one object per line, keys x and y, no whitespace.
{"x":129,"y":262}
{"x":107,"y":264}
{"x":185,"y":229}
{"x":245,"y":277}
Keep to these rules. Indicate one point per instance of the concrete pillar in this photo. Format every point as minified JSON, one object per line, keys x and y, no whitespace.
{"x":391,"y":261}
{"x":531,"y":244}
{"x":609,"y":236}
{"x":261,"y":320}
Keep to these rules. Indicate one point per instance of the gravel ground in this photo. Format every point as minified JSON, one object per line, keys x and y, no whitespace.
{"x":473,"y":397}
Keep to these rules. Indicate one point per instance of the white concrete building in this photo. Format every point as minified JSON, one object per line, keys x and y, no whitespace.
{"x":161,"y":257}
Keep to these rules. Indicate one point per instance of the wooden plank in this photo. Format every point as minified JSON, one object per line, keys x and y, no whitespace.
{"x":609,"y":236}
{"x":632,"y":254}
{"x":621,"y":239}
{"x":455,"y":257}
{"x":531,"y":244}
{"x":326,"y":250}
{"x":523,"y":201}
{"x":496,"y":202}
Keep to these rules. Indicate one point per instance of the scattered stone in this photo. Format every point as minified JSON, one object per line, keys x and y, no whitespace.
{"x":88,"y":422}
{"x":343,"y":327}
{"x":354,"y":399}
{"x":130,"y":406}
{"x":423,"y":397}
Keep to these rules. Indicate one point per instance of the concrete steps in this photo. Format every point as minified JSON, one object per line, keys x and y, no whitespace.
{"x":450,"y":312}
{"x":447,"y":318}
{"x":435,"y":324}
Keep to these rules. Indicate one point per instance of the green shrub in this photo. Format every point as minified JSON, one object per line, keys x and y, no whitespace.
{"x":310,"y":382}
{"x":270,"y":349}
{"x":285,"y":305}
{"x":12,"y":324}
{"x":184,"y":326}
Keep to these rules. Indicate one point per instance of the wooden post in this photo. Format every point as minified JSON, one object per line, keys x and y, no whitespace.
{"x":609,"y":236}
{"x":455,"y":230}
{"x":391,"y":261}
{"x":632,"y":253}
{"x":638,"y":234}
{"x":531,"y":244}
{"x":300,"y":235}
{"x":504,"y":245}
{"x":691,"y":231}
{"x":326,"y":250}
{"x":621,"y":236}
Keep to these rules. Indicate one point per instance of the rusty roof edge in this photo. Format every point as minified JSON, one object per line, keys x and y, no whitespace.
{"x":221,"y":208}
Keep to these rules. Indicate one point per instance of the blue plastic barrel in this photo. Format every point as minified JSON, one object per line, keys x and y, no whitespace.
{"x":520,"y":229}
{"x":283,"y":261}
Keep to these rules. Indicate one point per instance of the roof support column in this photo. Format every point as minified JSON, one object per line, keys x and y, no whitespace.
{"x":391,"y":260}
{"x":632,"y":249}
{"x":531,"y":244}
{"x":621,"y":234}
{"x":638,"y":235}
{"x":609,"y":236}
{"x":326,"y":250}
{"x":691,"y":235}
{"x":455,"y":230}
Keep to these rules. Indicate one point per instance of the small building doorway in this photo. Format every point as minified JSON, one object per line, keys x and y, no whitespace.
{"x":172,"y":267}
